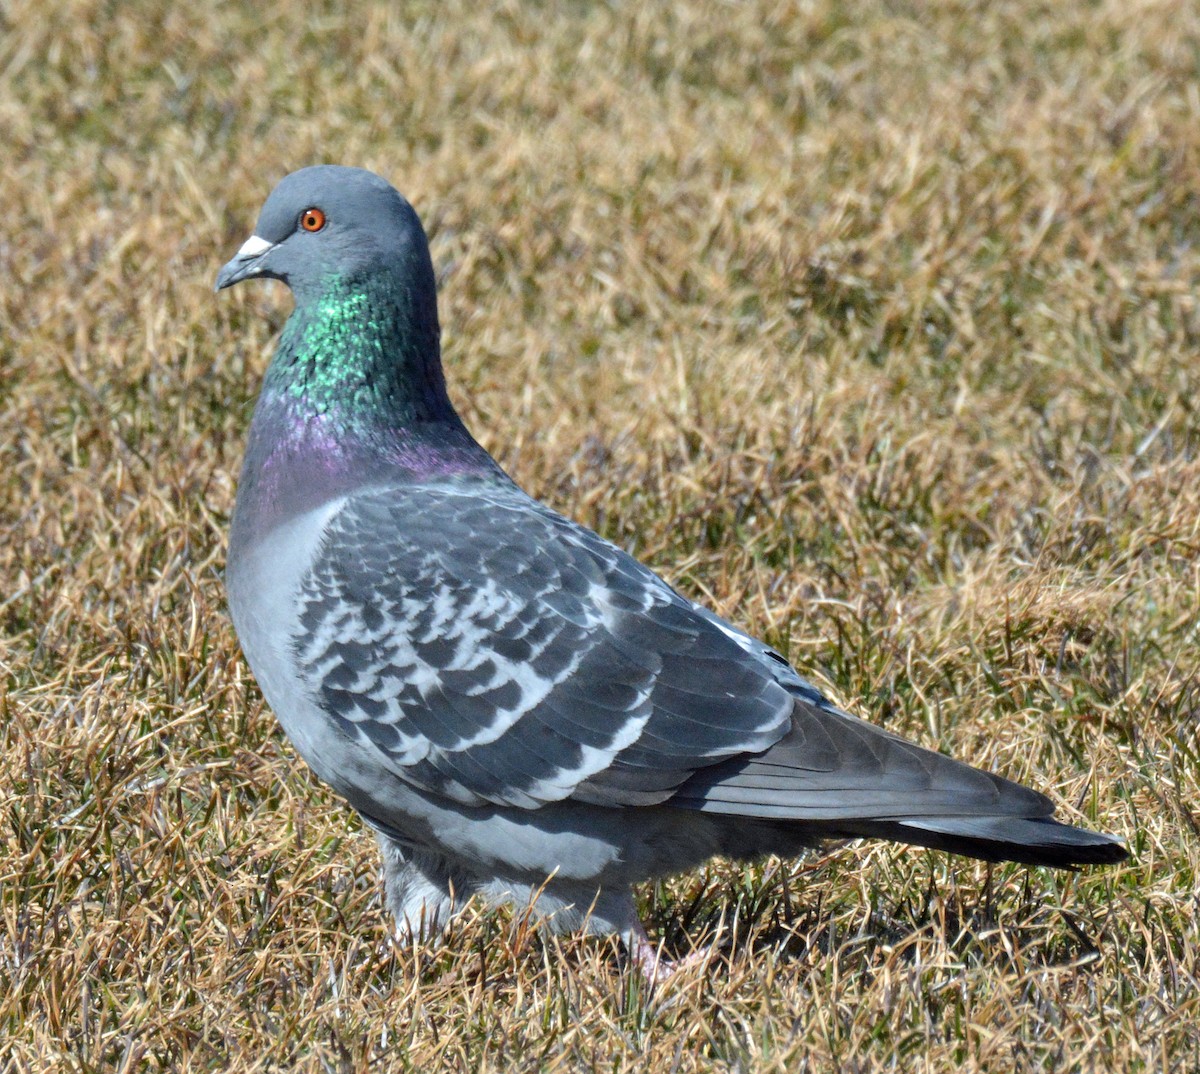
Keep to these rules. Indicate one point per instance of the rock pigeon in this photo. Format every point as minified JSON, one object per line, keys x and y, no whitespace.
{"x":513,"y":704}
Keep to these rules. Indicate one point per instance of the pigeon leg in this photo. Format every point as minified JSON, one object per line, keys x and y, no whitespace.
{"x":419,"y":891}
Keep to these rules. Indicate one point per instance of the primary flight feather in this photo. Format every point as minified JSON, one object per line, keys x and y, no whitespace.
{"x":512,"y":703}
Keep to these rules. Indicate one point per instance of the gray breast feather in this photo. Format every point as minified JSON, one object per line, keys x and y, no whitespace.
{"x":491,"y":651}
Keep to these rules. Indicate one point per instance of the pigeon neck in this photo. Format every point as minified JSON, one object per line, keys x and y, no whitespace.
{"x":364,"y":355}
{"x":353,"y":397}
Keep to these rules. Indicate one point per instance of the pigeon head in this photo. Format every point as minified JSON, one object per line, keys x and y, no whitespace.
{"x":330,"y":226}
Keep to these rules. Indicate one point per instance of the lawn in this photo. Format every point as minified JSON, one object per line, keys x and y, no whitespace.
{"x":873,"y":326}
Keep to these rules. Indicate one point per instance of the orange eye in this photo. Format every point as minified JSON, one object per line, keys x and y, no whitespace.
{"x":312,"y":219}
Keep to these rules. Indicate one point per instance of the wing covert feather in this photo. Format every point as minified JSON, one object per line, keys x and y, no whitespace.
{"x":494,"y":652}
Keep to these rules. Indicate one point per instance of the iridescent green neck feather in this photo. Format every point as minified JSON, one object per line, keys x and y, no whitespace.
{"x":353,"y":397}
{"x":364,"y":355}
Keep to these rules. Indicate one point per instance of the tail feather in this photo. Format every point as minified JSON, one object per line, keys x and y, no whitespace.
{"x":1031,"y":841}
{"x":836,"y":776}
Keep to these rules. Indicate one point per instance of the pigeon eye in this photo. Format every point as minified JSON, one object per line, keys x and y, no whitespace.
{"x":312,"y":219}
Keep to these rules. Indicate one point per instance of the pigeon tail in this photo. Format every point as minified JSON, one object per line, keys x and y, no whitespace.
{"x":836,"y":776}
{"x":1028,"y":840}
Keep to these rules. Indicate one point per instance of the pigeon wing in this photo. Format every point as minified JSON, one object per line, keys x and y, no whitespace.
{"x":493,"y":652}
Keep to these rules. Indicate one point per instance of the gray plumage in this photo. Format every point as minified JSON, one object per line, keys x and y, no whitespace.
{"x":512,"y":703}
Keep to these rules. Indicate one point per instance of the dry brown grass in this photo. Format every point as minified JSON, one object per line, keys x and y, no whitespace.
{"x":872,"y":324}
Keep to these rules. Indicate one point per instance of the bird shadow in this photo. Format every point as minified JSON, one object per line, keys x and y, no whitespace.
{"x":1006,"y":919}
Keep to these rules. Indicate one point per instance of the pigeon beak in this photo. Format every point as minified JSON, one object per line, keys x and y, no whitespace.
{"x":246,"y":262}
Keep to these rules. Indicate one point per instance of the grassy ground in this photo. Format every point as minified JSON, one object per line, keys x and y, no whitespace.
{"x":871,"y":324}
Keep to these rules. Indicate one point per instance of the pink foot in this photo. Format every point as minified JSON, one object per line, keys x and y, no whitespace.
{"x":656,"y":969}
